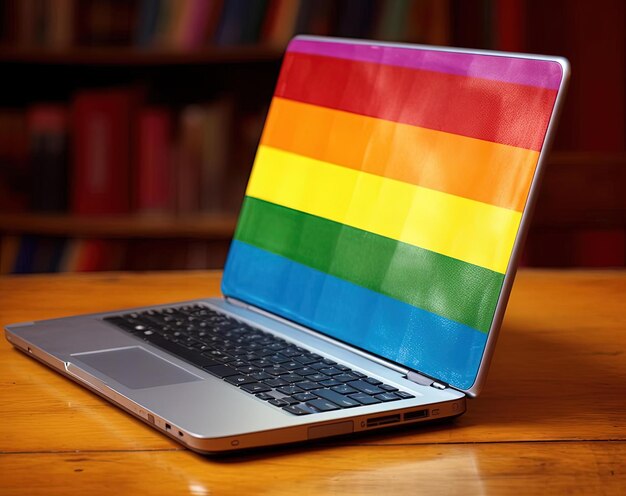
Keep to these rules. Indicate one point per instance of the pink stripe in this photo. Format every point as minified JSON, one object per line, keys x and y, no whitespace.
{"x":531,"y":72}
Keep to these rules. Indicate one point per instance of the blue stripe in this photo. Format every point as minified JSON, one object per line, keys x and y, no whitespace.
{"x":418,"y":339}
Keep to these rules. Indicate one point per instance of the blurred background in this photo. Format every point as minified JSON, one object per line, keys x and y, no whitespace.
{"x":128,"y":127}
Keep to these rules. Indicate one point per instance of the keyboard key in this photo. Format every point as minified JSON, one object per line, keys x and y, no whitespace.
{"x":308,"y":385}
{"x":387,"y":397}
{"x":275,"y":382}
{"x":238,"y":380}
{"x":291,"y":378}
{"x":322,"y":405}
{"x":276,"y":370}
{"x":278,"y":358}
{"x":264,"y":396}
{"x":344,"y":389}
{"x":278,"y":346}
{"x":255,"y":387}
{"x":277,"y":402}
{"x":371,"y":380}
{"x":338,"y":399}
{"x":291,"y":352}
{"x":296,"y":410}
{"x":404,"y":395}
{"x":305,"y":371}
{"x":262,"y":363}
{"x":289,"y":390}
{"x":330,"y":371}
{"x":294,"y":367}
{"x":364,"y":399}
{"x":261,"y":375}
{"x":344,"y":377}
{"x":304,"y":396}
{"x":218,"y":355}
{"x":221,"y":371}
{"x":330,"y":383}
{"x":365,"y":387}
{"x":387,"y":387}
{"x":247,"y":369}
{"x":305,"y":359}
{"x":317,"y":366}
{"x":317,"y":377}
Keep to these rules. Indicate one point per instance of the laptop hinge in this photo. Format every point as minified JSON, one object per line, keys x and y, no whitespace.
{"x":422,"y":380}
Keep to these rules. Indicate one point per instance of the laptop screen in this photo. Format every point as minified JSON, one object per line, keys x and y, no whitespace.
{"x":387,"y":193}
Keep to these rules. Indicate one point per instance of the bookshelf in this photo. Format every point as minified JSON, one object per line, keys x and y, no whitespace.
{"x":581,"y":215}
{"x":207,"y":226}
{"x":120,"y":56}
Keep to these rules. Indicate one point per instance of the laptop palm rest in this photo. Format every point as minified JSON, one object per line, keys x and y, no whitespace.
{"x":135,"y":367}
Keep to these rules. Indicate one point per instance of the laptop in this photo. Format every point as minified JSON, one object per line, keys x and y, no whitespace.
{"x":371,"y":264}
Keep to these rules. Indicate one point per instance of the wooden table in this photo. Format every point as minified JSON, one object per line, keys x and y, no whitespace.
{"x":552,"y":419}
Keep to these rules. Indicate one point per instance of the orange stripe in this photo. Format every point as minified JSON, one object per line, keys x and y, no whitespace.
{"x":471,"y":168}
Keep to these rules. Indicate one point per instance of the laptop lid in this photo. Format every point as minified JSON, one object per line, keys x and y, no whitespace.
{"x":388,"y":196}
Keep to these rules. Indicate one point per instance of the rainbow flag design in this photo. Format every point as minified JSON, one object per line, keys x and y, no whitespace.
{"x":387,"y":193}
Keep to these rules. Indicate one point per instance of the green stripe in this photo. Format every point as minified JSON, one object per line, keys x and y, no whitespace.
{"x":433,"y":282}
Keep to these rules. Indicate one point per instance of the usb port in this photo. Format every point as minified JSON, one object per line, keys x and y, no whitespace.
{"x":387,"y":419}
{"x":415,"y":415}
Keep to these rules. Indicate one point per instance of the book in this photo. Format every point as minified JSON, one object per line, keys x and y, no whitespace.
{"x":194,"y":21}
{"x":48,"y":157}
{"x":218,"y":128}
{"x":189,"y":156}
{"x":146,"y":25}
{"x":60,"y":20}
{"x":15,"y":179}
{"x":102,"y":151}
{"x":9,"y":249}
{"x":280,"y":22}
{"x":510,"y":25}
{"x":230,"y":29}
{"x":315,"y":17}
{"x":153,"y":184}
{"x":25,"y":259}
{"x":105,"y":22}
{"x":391,"y":23}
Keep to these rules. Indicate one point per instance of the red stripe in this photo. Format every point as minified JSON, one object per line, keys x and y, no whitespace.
{"x":497,"y":111}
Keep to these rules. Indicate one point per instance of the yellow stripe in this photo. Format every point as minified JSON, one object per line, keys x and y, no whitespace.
{"x":464,"y":229}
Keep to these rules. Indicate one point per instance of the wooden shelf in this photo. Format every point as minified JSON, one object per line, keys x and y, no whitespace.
{"x":214,"y":227}
{"x":132,"y":56}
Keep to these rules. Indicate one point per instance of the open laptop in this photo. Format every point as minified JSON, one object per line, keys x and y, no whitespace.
{"x":371,"y":264}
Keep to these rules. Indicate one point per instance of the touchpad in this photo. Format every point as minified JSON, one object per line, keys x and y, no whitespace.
{"x":135,"y":367}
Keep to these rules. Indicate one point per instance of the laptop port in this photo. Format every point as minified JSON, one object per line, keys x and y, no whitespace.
{"x":415,"y":415}
{"x":387,"y":419}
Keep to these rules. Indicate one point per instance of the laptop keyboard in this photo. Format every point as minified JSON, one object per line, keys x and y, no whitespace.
{"x":274,"y":370}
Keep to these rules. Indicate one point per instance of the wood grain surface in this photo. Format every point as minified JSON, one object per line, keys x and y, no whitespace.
{"x":551,"y":420}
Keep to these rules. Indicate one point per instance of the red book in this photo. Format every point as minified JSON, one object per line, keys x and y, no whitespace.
{"x":510,"y":30}
{"x":153,"y":182}
{"x":102,"y":137}
{"x":15,"y":178}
